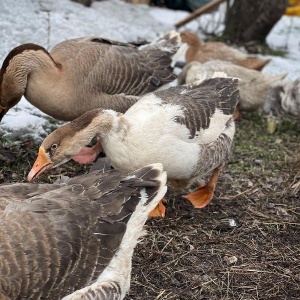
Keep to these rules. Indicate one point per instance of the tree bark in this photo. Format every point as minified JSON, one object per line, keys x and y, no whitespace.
{"x":252,"y":20}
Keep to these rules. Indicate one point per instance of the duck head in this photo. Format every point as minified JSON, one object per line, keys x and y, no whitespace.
{"x":11,"y":91}
{"x":13,"y":79}
{"x":190,"y":38}
{"x":65,"y":143}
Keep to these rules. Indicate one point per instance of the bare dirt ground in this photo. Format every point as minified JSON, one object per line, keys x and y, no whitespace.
{"x":244,"y":245}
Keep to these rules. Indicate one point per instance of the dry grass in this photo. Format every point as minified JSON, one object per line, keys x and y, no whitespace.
{"x":198,"y":254}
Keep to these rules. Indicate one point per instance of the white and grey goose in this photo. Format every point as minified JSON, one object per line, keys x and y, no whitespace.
{"x":81,"y":74}
{"x":284,"y":99}
{"x":253,"y":85}
{"x":56,"y":239}
{"x":189,"y":129}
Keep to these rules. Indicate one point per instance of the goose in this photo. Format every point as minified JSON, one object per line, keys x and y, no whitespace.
{"x":75,"y":240}
{"x":283,"y":101}
{"x":203,"y":52}
{"x":284,"y":98}
{"x":253,"y":85}
{"x":189,"y":129}
{"x":81,"y":74}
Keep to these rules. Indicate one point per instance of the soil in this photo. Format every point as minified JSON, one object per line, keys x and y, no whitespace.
{"x":244,"y":245}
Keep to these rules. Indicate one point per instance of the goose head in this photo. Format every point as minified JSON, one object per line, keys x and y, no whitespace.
{"x":12,"y":85}
{"x":14,"y":73}
{"x":68,"y":140}
{"x":190,"y":38}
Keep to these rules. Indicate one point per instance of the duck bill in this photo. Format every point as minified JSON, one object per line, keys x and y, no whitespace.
{"x":42,"y":163}
{"x":3,"y":111}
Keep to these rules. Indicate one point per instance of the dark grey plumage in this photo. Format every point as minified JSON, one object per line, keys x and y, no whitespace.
{"x":55,"y":239}
{"x":200,"y":101}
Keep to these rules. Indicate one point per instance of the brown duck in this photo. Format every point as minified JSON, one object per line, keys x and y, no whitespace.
{"x":203,"y":52}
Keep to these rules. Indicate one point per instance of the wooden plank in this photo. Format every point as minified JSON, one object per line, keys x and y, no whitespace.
{"x":203,"y":9}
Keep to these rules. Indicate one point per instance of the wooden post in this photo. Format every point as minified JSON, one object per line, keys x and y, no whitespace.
{"x":203,"y":9}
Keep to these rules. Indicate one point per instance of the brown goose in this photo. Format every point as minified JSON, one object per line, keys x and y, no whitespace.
{"x":85,"y":73}
{"x":189,"y":129}
{"x":253,"y":85}
{"x":202,"y":52}
{"x":56,"y":239}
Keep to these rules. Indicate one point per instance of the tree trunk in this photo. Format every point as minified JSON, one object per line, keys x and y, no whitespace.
{"x":252,"y":20}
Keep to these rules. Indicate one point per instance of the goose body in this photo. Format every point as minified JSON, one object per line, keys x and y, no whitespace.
{"x":56,"y":239}
{"x":284,"y":98}
{"x":253,"y":85}
{"x":203,"y":52}
{"x":85,"y":73}
{"x":189,"y":129}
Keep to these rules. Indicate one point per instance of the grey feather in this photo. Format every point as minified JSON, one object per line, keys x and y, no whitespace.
{"x":56,"y":239}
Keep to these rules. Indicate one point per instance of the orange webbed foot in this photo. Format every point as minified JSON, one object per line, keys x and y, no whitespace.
{"x":159,"y":210}
{"x":203,"y":195}
{"x":236,"y":114}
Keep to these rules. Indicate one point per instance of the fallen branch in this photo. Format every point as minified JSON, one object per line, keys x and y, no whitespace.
{"x":203,"y":9}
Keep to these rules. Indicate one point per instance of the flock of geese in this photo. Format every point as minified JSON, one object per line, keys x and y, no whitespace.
{"x":75,"y":239}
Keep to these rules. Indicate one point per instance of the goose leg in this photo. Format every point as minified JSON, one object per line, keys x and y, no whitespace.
{"x":236,"y":113}
{"x":88,"y":154}
{"x":159,"y":210}
{"x":203,"y":195}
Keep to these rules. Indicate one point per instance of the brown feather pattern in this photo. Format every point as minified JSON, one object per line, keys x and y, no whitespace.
{"x":133,"y":71}
{"x":87,"y":73}
{"x":57,"y":239}
{"x":107,"y":291}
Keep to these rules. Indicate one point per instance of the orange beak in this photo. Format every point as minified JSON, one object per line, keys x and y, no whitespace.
{"x":3,"y":111}
{"x":41,"y":164}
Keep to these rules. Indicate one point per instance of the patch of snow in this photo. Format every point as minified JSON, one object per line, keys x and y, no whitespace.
{"x":48,"y":22}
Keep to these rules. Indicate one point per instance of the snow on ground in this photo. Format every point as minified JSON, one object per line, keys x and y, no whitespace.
{"x":48,"y":22}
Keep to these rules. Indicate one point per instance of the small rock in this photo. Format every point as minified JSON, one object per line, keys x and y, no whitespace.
{"x":230,"y":259}
{"x":227,"y":223}
{"x":14,"y":176}
{"x":250,"y":183}
{"x":271,"y":205}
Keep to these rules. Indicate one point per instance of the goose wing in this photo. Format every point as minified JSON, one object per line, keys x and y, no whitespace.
{"x":201,"y":102}
{"x":18,"y":192}
{"x":114,"y":67}
{"x":58,"y":241}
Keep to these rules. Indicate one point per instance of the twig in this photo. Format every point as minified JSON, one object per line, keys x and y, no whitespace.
{"x":262,"y":215}
{"x":203,"y":9}
{"x":237,"y":195}
{"x":245,"y":271}
{"x":160,"y":294}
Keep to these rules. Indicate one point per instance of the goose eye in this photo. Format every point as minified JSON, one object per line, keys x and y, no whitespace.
{"x":54,"y":147}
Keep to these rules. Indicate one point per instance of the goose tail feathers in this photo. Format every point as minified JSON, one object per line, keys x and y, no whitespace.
{"x":169,"y":42}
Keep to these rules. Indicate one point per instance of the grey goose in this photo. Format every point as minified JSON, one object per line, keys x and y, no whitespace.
{"x":75,"y":238}
{"x":253,"y":85}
